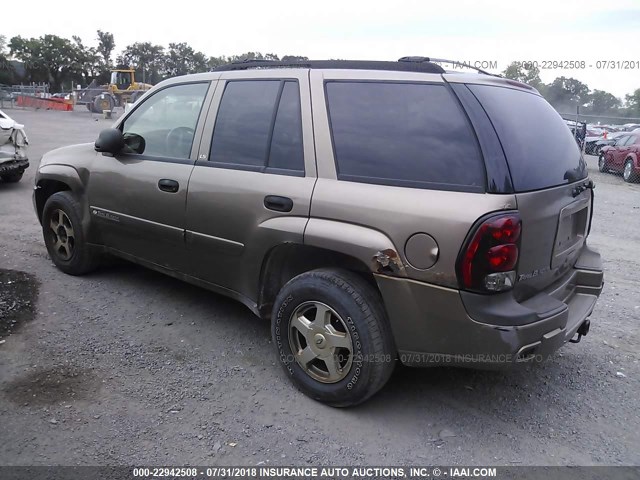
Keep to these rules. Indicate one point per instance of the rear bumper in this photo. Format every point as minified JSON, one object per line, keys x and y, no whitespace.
{"x":435,"y":326}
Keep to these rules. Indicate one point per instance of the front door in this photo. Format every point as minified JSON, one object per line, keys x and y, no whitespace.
{"x":251,"y":189}
{"x":138,"y":197}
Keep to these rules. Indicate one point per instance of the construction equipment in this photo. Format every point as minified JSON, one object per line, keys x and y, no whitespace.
{"x":122,"y":89}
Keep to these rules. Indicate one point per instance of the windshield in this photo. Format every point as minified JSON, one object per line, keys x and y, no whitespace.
{"x":540,"y":150}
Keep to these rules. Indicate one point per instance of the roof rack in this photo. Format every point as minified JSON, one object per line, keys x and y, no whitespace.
{"x":405,"y":64}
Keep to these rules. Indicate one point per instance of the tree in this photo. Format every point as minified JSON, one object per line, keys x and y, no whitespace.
{"x":106,"y":44}
{"x":566,"y":92}
{"x":147,"y":59}
{"x":49,"y":58}
{"x":524,"y":72}
{"x":602,"y":102}
{"x":7,"y":71}
{"x":294,"y":58}
{"x":633,"y":102}
{"x":181,"y":59}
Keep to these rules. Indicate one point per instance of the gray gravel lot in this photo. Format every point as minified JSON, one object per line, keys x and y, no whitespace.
{"x":127,"y":366}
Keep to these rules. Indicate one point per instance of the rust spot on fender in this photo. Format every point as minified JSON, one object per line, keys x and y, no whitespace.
{"x":388,"y":262}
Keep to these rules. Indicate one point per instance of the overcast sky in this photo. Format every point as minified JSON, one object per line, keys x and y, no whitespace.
{"x":491,"y":30}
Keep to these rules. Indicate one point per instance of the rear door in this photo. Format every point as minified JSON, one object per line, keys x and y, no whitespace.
{"x":251,"y":187}
{"x":555,"y":216}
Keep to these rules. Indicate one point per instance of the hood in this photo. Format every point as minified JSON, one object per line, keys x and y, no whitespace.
{"x":70,"y":155}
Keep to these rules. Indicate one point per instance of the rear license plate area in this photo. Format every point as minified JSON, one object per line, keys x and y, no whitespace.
{"x":572,"y":230}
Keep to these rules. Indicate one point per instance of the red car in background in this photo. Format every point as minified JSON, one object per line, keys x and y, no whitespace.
{"x":623,"y":157}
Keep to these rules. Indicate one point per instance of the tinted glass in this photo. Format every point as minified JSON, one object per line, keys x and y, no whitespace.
{"x":412,"y":135}
{"x":631,"y":140}
{"x":167,"y":120}
{"x":539,"y":147}
{"x":286,"y":144}
{"x":243,"y":124}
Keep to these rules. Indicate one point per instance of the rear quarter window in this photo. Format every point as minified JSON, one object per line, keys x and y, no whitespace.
{"x":404,"y":134}
{"x":540,"y":149}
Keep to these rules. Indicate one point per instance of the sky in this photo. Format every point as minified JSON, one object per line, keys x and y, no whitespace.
{"x":495,"y":31}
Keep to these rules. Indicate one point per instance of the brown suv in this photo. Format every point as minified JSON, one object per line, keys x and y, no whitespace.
{"x":374,"y":211}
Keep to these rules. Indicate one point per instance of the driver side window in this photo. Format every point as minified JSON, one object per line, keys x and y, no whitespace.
{"x":164,"y":124}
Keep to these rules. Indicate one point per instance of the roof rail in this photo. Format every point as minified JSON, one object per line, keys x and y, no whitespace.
{"x":461,"y":64}
{"x":424,"y":66}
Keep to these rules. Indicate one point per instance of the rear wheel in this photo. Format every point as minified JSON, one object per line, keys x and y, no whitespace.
{"x":12,"y":177}
{"x":332,"y":336}
{"x":627,"y":174}
{"x":64,"y":236}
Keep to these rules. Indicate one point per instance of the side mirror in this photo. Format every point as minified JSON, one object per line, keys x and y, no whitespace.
{"x":134,"y":143}
{"x":110,"y":140}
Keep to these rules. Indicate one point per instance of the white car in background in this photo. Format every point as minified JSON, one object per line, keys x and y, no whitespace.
{"x":13,"y":149}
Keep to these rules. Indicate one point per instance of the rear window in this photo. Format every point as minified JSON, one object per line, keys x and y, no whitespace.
{"x":539,"y":147}
{"x":405,"y":134}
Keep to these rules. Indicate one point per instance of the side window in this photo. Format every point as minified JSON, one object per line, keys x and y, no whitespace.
{"x":405,"y":134}
{"x":166,"y":121}
{"x":258,"y":127}
{"x":630,"y":141}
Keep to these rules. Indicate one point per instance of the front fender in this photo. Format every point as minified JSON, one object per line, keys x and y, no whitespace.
{"x":61,"y":173}
{"x":53,"y":178}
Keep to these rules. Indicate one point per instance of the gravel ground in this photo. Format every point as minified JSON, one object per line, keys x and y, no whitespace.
{"x":127,"y":366}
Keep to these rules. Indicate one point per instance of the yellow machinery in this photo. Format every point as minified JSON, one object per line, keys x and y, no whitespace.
{"x":121,"y":89}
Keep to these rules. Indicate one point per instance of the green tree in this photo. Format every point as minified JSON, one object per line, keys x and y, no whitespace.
{"x":181,"y":59}
{"x":633,"y":103}
{"x":7,"y":72}
{"x":566,"y":92}
{"x":523,"y":72}
{"x":602,"y":102}
{"x":147,"y":59}
{"x":106,"y":44}
{"x":294,"y":58}
{"x":49,"y":58}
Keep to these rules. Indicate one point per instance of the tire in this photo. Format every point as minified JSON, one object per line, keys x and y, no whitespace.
{"x":12,"y":177}
{"x":64,"y":235}
{"x":354,"y":316}
{"x":101,"y":104}
{"x":628,"y":174}
{"x":602,"y":166}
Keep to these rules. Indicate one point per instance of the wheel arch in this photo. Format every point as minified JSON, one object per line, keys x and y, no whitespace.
{"x":286,"y":261}
{"x":52,"y":179}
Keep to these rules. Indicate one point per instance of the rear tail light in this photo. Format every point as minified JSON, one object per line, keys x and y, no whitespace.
{"x":489,"y":259}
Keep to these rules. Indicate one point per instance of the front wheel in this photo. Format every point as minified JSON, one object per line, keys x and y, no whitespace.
{"x":64,"y":236}
{"x":627,"y":174}
{"x":602,"y":166}
{"x":333,"y":337}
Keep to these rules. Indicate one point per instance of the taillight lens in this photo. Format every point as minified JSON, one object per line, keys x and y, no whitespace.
{"x":488,"y":261}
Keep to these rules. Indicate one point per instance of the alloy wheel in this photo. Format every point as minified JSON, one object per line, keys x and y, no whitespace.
{"x":63,"y":236}
{"x":320,"y":342}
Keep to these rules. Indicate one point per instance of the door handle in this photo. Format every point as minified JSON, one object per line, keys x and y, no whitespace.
{"x":167,"y":185}
{"x":278,"y":203}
